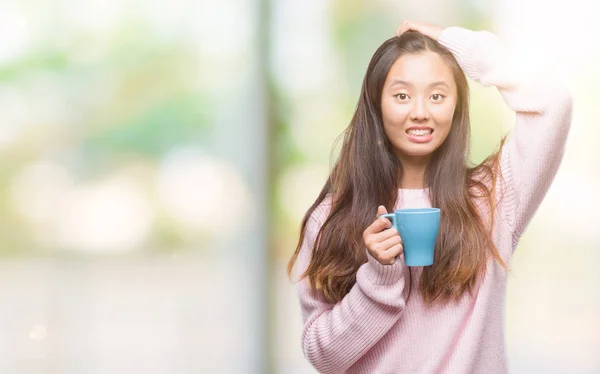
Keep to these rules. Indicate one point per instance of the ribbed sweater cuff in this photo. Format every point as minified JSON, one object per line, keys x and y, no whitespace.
{"x":466,"y":45}
{"x":379,"y":274}
{"x":457,"y":39}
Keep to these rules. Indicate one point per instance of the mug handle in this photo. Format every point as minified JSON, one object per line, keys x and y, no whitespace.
{"x":392,"y":217}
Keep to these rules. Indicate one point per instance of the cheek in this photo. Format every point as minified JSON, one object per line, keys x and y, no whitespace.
{"x":443,"y":116}
{"x":394,"y":114}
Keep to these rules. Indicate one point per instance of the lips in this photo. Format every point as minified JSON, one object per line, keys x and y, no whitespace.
{"x":420,"y":134}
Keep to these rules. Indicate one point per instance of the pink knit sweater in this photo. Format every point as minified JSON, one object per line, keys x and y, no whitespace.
{"x":374,"y":329}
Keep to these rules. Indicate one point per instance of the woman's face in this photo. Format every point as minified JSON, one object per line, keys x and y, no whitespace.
{"x":417,"y":104}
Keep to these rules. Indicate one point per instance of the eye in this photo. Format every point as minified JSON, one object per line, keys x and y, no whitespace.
{"x":401,"y":96}
{"x":437,"y":97}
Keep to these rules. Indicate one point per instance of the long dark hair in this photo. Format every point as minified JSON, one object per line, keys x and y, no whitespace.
{"x":366,"y":175}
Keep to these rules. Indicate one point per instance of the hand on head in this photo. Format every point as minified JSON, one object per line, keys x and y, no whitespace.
{"x":431,"y":30}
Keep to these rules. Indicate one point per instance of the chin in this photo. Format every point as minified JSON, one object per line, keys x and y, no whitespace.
{"x":418,"y":151}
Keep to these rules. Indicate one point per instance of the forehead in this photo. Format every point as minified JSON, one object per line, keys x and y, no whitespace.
{"x":420,"y":70}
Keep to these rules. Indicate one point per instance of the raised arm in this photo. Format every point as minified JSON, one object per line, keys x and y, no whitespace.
{"x":533,"y":152}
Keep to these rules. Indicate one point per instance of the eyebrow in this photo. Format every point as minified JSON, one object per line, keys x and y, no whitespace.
{"x":405,"y":83}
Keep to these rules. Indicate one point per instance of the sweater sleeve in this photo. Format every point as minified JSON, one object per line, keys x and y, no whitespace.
{"x":533,"y":151}
{"x":335,"y":336}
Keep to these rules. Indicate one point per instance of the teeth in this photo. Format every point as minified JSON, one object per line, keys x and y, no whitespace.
{"x":419,"y":132}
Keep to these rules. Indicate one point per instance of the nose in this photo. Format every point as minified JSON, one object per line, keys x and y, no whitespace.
{"x":419,"y":111}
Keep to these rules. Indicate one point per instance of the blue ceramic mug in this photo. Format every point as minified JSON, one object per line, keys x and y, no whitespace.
{"x":418,"y":229}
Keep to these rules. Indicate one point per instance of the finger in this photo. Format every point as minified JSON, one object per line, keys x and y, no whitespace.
{"x":400,"y":29}
{"x":380,"y":211}
{"x":391,"y":256}
{"x":404,"y":27}
{"x":388,"y":243}
{"x":395,"y":251}
{"x":379,"y":225}
{"x":384,"y":235}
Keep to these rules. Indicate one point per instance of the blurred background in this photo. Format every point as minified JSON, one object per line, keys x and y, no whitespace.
{"x":156,"y":158}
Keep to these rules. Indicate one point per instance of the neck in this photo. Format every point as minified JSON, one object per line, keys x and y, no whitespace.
{"x":413,"y":173}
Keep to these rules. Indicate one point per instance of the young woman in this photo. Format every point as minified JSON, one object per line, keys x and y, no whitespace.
{"x":365,"y":311}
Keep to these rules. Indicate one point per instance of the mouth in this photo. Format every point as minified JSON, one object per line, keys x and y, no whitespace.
{"x":420,"y":134}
